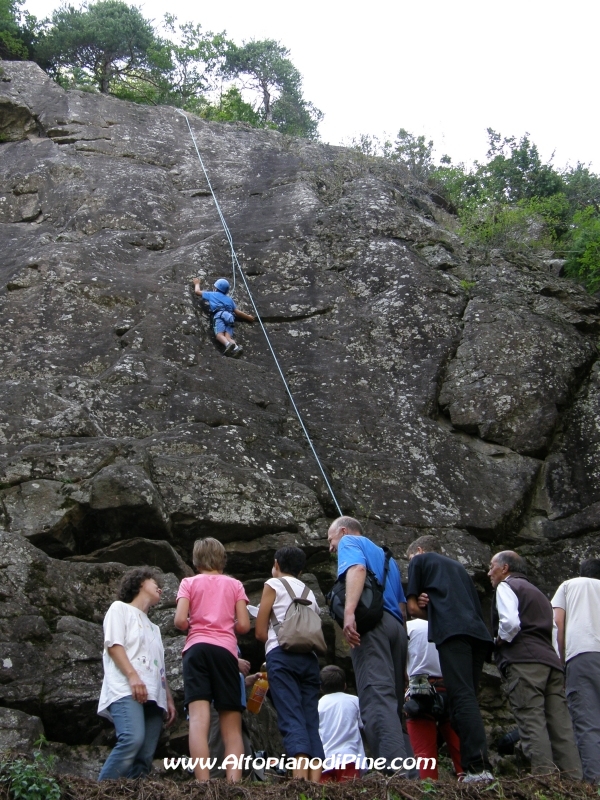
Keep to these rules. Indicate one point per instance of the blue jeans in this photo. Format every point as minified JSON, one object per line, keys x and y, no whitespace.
{"x":138,"y":729}
{"x":294,"y":683}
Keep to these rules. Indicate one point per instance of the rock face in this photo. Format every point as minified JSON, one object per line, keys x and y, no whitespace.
{"x":18,"y":731}
{"x":444,"y":393}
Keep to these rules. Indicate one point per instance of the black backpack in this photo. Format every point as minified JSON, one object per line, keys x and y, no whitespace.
{"x":369,"y":610}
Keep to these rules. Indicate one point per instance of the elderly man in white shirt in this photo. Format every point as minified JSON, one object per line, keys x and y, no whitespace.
{"x":531,"y":670}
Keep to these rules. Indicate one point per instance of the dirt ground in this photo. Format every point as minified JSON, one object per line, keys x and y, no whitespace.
{"x":546,"y":787}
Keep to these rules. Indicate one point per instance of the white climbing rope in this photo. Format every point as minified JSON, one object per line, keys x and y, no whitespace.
{"x":235,"y":262}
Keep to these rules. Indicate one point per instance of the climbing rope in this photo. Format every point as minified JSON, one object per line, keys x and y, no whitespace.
{"x":236,"y":263}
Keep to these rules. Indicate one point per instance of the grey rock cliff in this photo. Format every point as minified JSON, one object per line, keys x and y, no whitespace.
{"x":444,"y":393}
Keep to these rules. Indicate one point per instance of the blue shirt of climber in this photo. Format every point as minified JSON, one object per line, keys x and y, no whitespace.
{"x":223,"y":311}
{"x":219,"y":301}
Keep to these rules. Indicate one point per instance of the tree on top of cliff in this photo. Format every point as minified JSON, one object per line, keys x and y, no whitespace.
{"x":513,"y":201}
{"x":17,"y":31}
{"x":191,"y":61}
{"x":415,"y":152}
{"x":110,"y":47}
{"x":265,"y":68}
{"x":106,"y":42}
{"x":515,"y":170}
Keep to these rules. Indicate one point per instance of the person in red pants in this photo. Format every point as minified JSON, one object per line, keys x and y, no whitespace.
{"x":426,"y":704}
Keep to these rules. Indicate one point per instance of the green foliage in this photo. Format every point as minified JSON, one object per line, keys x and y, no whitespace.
{"x":230,"y":107}
{"x":454,"y":183}
{"x":30,"y":780}
{"x":515,"y":170}
{"x":583,"y":262}
{"x":371,"y":146}
{"x":265,"y":69}
{"x":17,"y":31}
{"x":295,"y":116}
{"x":108,"y":46}
{"x":517,"y":202}
{"x":513,"y":201}
{"x":188,"y":63}
{"x":415,"y":152}
{"x":109,"y":43}
{"x":582,"y":188}
{"x":525,"y":226}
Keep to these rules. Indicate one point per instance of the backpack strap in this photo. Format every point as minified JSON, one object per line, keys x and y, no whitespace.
{"x":273,"y":619}
{"x":386,"y":568}
{"x":289,"y":589}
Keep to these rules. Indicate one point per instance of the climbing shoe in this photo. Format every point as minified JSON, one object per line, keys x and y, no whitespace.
{"x":237,"y":352}
{"x":230,"y":349}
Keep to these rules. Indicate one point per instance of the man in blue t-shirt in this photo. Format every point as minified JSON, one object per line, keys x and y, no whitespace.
{"x":224,"y":314}
{"x":378,"y":656}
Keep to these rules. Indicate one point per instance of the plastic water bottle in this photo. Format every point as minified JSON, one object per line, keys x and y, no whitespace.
{"x":258,"y":694}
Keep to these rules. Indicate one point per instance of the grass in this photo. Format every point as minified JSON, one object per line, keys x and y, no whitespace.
{"x":547,"y":787}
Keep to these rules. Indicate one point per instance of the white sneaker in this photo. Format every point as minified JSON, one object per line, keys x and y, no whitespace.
{"x":237,"y":351}
{"x":478,"y":777}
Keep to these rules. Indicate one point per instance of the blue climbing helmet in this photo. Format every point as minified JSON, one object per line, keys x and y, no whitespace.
{"x":222,"y":285}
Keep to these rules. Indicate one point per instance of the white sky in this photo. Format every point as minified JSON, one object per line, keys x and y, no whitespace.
{"x":446,"y":69}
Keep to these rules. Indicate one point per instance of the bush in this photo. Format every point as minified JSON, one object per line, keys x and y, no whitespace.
{"x":526,"y":226}
{"x":30,"y":780}
{"x":583,"y":261}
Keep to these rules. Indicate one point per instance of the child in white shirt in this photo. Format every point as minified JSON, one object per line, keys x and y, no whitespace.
{"x":339,"y":728}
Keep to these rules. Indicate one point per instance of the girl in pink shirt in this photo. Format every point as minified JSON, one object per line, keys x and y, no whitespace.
{"x":211,"y":607}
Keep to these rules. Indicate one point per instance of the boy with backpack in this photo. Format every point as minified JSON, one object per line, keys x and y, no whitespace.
{"x":339,"y":727}
{"x":293,"y":674}
{"x":223,"y":314}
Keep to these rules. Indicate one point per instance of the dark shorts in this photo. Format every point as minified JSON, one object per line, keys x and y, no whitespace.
{"x":211,"y":673}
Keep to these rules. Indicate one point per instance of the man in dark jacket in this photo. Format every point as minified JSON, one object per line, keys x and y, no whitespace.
{"x":441,"y":591}
{"x":532,"y":673}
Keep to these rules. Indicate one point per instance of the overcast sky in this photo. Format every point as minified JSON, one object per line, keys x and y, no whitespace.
{"x":448,"y":70}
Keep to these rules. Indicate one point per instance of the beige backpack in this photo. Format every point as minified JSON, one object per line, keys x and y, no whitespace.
{"x":300,"y":631}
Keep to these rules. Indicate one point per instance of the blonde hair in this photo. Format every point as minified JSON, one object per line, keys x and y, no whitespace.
{"x":208,"y":554}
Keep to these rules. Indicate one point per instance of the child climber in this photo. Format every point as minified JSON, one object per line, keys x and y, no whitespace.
{"x":224,"y":313}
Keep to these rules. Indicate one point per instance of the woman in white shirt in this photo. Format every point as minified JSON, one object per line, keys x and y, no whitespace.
{"x":135,"y":694}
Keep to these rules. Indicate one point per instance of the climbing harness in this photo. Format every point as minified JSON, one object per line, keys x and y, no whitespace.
{"x":235,"y":263}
